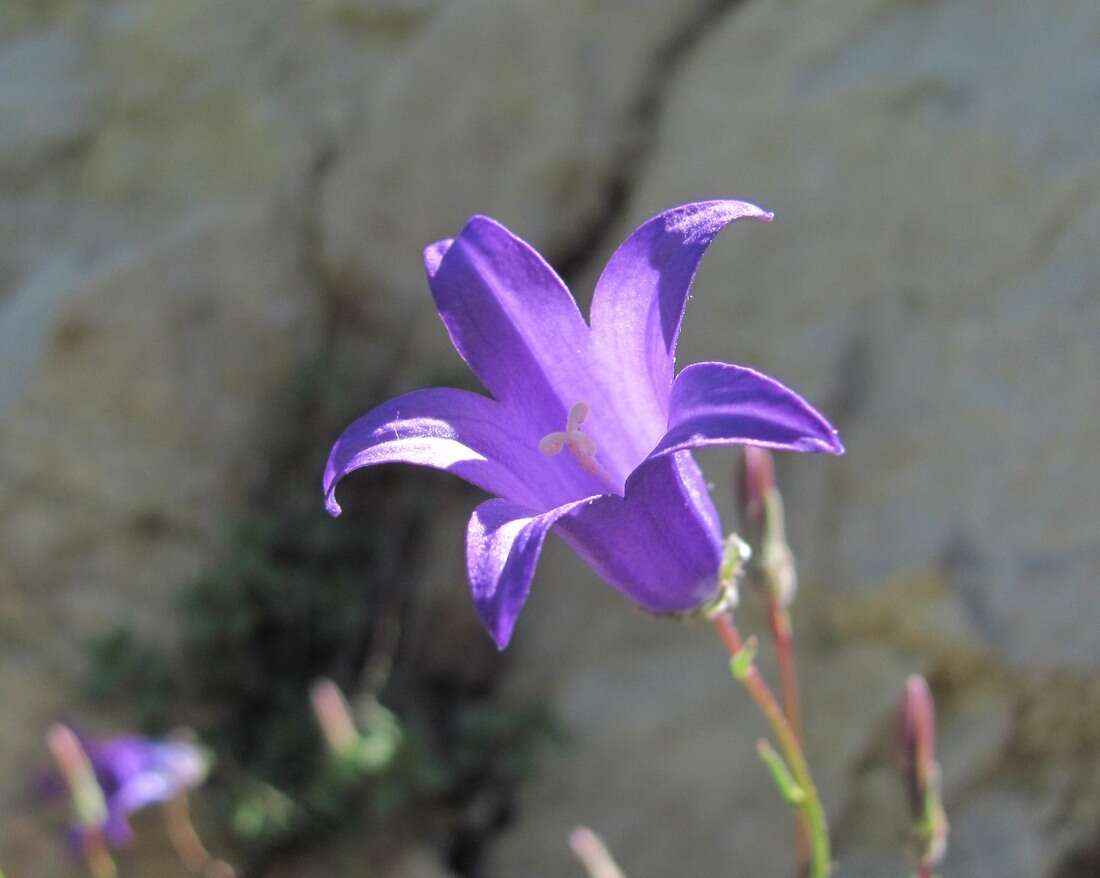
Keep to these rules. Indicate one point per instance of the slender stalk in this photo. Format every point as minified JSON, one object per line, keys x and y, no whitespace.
{"x":779,"y":621}
{"x":820,"y":862}
{"x":99,"y":860}
{"x":185,"y":839}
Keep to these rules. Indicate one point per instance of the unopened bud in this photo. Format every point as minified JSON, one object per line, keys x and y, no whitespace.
{"x":333,"y":716}
{"x":922,"y":772}
{"x":762,"y":510}
{"x":358,"y":746}
{"x":918,"y":737}
{"x":756,"y":481}
{"x":75,"y":768}
{"x":593,"y":854}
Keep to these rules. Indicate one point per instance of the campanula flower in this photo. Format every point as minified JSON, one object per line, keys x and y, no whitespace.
{"x":133,"y":772}
{"x":588,"y":427}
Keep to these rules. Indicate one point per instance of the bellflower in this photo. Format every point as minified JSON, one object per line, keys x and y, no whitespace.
{"x":134,"y":772}
{"x":588,"y":429}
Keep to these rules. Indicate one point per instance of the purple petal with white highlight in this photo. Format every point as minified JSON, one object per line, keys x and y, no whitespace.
{"x":455,"y":430}
{"x":509,"y":315}
{"x":641,"y":296}
{"x":503,"y":542}
{"x":723,"y":404}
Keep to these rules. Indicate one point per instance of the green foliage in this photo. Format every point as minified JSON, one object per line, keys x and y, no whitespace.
{"x":122,"y":670}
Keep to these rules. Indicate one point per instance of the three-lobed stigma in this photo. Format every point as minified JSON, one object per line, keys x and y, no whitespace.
{"x":579,"y":443}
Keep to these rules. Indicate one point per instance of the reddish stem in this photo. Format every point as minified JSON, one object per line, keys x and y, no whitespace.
{"x":780,"y":623}
{"x":100,"y":862}
{"x":813,"y":818}
{"x":185,"y":839}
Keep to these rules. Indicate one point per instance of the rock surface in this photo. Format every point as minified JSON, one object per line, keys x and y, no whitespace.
{"x":174,"y":244}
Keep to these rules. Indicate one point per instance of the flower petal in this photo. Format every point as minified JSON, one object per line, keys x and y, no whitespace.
{"x":510,"y":317}
{"x":640,"y":297}
{"x":503,"y":542}
{"x":722,"y":404}
{"x":452,"y":430}
{"x":660,"y":544}
{"x":148,"y":788}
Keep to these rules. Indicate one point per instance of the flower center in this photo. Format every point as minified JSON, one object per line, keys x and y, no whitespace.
{"x":580,"y":445}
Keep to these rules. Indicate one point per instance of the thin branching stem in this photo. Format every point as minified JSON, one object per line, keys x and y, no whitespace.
{"x":758,"y":689}
{"x":779,"y":621}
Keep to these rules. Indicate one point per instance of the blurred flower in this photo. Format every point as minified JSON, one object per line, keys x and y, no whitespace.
{"x":588,"y":429}
{"x":130,"y":772}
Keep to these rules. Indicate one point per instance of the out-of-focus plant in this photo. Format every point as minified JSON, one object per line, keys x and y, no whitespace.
{"x":110,"y":779}
{"x":292,"y":597}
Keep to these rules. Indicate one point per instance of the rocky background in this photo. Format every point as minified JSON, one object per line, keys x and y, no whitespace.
{"x":200,"y":199}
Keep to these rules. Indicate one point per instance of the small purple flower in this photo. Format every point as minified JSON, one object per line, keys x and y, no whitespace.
{"x":134,"y":772}
{"x":588,"y":429}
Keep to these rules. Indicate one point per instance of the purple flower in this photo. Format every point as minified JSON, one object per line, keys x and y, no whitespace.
{"x":134,"y":772}
{"x":588,"y":429}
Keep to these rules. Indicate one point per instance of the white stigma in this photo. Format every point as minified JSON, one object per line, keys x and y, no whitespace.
{"x":580,"y":445}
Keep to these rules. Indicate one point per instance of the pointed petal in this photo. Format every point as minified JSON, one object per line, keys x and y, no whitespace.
{"x":452,"y":430}
{"x":660,"y":544}
{"x":511,"y":318}
{"x":640,"y":297}
{"x":723,"y":404}
{"x":433,"y":255}
{"x":503,"y":542}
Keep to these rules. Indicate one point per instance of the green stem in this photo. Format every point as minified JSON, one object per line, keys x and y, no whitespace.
{"x":820,"y":858}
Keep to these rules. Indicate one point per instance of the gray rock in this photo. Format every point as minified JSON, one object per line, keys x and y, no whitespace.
{"x":47,"y":100}
{"x":520,"y":110}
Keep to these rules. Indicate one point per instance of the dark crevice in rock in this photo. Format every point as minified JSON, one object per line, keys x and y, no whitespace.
{"x":1084,"y":862}
{"x":572,"y":257}
{"x":314,"y":269}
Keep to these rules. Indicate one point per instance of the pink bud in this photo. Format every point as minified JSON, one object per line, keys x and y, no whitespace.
{"x":756,"y":481}
{"x":78,"y":773}
{"x":333,"y":716}
{"x":65,"y":747}
{"x":918,"y":733}
{"x":593,"y":854}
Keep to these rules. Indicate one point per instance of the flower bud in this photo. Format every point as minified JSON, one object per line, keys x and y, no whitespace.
{"x":333,"y":715}
{"x":76,"y":769}
{"x":922,"y":773}
{"x":358,"y":747}
{"x":762,"y":510}
{"x":756,"y":481}
{"x":590,"y":849}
